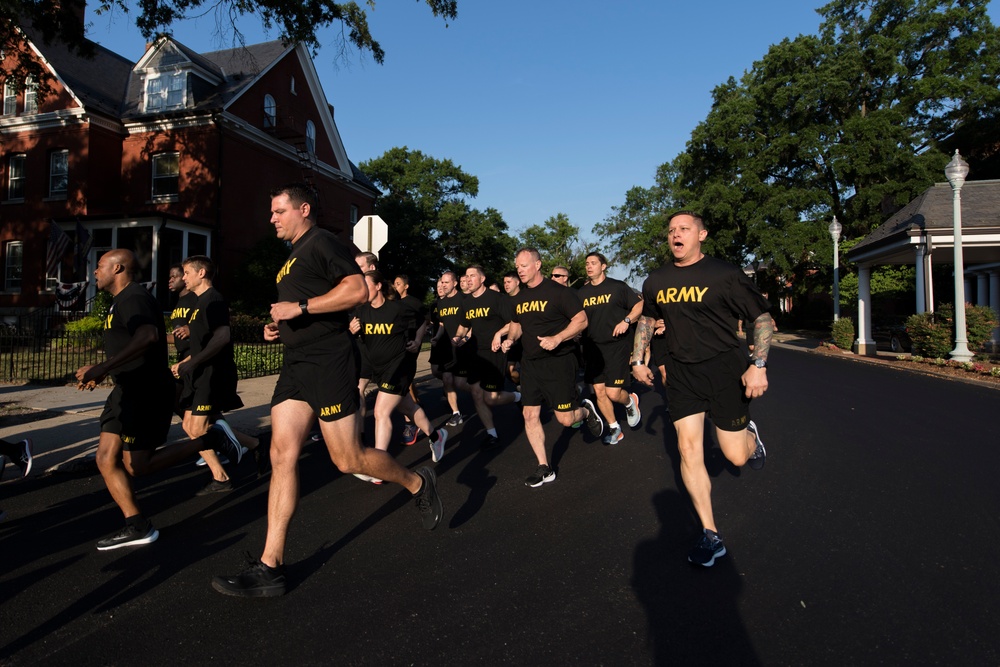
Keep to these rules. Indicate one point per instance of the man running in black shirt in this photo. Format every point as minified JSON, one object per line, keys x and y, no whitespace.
{"x":416,"y":328}
{"x":546,"y":318}
{"x":485,"y":318}
{"x":700,"y":299}
{"x":317,"y":288}
{"x":446,"y":316}
{"x":138,"y":411}
{"x":611,"y":307}
{"x":512,"y":285}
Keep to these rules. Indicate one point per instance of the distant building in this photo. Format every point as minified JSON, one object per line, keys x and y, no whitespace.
{"x":169,"y":156}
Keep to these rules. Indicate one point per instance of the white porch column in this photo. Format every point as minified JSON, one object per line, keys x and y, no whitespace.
{"x":995,"y":304}
{"x":921,"y":281}
{"x":865,"y":344}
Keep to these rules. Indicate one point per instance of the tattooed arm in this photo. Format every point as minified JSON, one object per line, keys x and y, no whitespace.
{"x":755,"y":379}
{"x":643,"y":334}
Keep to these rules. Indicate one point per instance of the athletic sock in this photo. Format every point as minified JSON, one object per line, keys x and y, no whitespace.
{"x":492,"y":431}
{"x":517,"y":397}
{"x":613,"y":426}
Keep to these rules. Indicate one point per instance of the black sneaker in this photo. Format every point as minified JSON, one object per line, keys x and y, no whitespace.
{"x":708,"y":548}
{"x":455,"y":419}
{"x":223,"y":441}
{"x":594,"y":422}
{"x":24,"y":461}
{"x":760,"y":454}
{"x":542,"y":474}
{"x":262,"y":454}
{"x":490,"y":442}
{"x":215,"y":486}
{"x":256,"y":581}
{"x":129,"y":536}
{"x":428,"y":501}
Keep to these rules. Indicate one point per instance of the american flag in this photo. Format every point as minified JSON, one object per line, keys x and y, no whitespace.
{"x":59,"y":245}
{"x":83,"y":243}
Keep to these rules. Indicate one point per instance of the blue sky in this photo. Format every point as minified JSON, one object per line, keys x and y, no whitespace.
{"x":556,"y":106}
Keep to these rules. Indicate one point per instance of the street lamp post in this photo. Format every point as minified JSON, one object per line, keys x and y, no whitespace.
{"x":956,"y":171}
{"x":835,"y":228}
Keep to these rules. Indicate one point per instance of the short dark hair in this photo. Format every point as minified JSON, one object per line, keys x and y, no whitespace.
{"x":299,"y":193}
{"x":371,"y":259}
{"x":477,"y":268}
{"x":512,"y":274}
{"x":697,"y":217}
{"x":200,"y":262}
{"x":601,"y":258}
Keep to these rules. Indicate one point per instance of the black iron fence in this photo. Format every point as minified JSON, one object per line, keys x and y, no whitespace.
{"x":52,"y":357}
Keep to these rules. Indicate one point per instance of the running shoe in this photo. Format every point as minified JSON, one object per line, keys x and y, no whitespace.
{"x":594,"y":422}
{"x":24,"y":460}
{"x":215,"y":486}
{"x":437,"y":446}
{"x":760,"y":453}
{"x":256,"y":581}
{"x":222,"y":425}
{"x":542,"y":475}
{"x":490,"y":442}
{"x":428,"y":501}
{"x":223,"y":443}
{"x":410,"y":434}
{"x":632,"y":413}
{"x":707,"y":549}
{"x":129,"y":536}
{"x":455,"y":420}
{"x":614,"y":436}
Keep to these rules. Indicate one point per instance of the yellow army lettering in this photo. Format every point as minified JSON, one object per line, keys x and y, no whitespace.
{"x":387,"y":386}
{"x":563,"y":406}
{"x":445,"y":312}
{"x":109,"y":320}
{"x":203,"y":408}
{"x":597,"y":300}
{"x":620,"y":382}
{"x":285,"y":270}
{"x":474,"y":313}
{"x":128,"y":439}
{"x":179,"y":313}
{"x":531,"y":307}
{"x":194,"y":314}
{"x":377,"y":328}
{"x":675,"y":295}
{"x":330,"y":410}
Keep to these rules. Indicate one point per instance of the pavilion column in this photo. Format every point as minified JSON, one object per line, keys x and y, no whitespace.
{"x":865,"y":344}
{"x":995,"y":305}
{"x":921,"y":281}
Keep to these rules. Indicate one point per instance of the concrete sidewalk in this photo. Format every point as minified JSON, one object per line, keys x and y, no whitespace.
{"x":64,"y":422}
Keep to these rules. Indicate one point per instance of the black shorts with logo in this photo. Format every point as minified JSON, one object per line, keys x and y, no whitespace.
{"x":550,"y":379}
{"x":396,"y":376}
{"x":139,"y":412}
{"x":211,"y":390}
{"x":607,"y":363}
{"x":324,"y":374}
{"x":489,"y":369}
{"x":443,"y":353}
{"x":713,"y":387}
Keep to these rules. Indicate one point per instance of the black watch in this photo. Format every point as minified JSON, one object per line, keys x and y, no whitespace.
{"x":628,"y":321}
{"x":760,"y":363}
{"x":304,"y":306}
{"x":637,"y":362}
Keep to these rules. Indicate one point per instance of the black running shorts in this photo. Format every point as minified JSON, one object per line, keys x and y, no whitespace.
{"x":395,"y":377}
{"x":607,"y":363}
{"x":550,"y":379}
{"x":211,"y":391}
{"x":489,"y":369}
{"x":713,"y":387}
{"x":323,"y":373}
{"x":140,"y":412}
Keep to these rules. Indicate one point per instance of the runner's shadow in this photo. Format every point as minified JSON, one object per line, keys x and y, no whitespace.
{"x":692,"y":612}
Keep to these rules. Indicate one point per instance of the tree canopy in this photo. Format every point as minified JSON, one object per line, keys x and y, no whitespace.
{"x":846,"y":122}
{"x":432,"y":227}
{"x":296,"y":21}
{"x":558,"y":243}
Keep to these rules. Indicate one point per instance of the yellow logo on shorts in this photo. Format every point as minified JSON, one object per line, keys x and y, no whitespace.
{"x":128,"y":439}
{"x":331,"y":410}
{"x":387,"y":386}
{"x":204,"y":408}
{"x":619,"y":382}
{"x":563,"y":406}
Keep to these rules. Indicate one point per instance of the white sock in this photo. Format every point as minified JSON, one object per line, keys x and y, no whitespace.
{"x":517,"y":396}
{"x":492,"y":431}
{"x":613,"y":426}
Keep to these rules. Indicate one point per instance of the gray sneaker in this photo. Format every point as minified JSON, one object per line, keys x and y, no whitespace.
{"x":632,"y":413}
{"x":614,"y":436}
{"x":455,"y":419}
{"x":760,"y":454}
{"x":437,"y":446}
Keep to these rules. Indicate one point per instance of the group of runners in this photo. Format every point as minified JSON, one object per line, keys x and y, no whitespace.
{"x":345,"y":329}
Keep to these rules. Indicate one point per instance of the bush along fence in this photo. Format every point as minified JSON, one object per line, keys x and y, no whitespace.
{"x":52,"y":357}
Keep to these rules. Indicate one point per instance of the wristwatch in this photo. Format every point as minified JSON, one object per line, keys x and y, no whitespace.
{"x":637,"y":362}
{"x":304,"y":306}
{"x":760,"y":363}
{"x":628,"y":321}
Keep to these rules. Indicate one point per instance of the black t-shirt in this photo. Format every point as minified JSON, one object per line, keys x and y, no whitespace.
{"x":448,"y":311}
{"x":415,"y":313}
{"x":179,"y":317}
{"x":545,"y":310}
{"x":317,"y":264}
{"x":606,"y":305}
{"x":211,"y":312}
{"x":700,"y":305}
{"x":132,"y":308}
{"x":485,"y":315}
{"x":383,"y":331}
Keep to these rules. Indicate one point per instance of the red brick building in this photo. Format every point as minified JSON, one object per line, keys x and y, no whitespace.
{"x":169,"y":156}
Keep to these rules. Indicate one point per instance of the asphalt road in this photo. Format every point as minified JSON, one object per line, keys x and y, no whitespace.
{"x":869,"y":537}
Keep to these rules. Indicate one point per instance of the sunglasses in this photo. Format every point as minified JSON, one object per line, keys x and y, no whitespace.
{"x":560,"y":275}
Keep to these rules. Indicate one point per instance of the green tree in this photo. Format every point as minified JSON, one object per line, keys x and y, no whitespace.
{"x":432,"y":227}
{"x":58,"y":21}
{"x":559,"y":244}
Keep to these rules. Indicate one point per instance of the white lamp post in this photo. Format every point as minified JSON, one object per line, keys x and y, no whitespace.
{"x":956,"y":171}
{"x":835,"y":228}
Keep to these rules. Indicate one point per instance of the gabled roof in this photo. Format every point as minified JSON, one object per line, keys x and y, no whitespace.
{"x":97,"y":83}
{"x":932,"y":214}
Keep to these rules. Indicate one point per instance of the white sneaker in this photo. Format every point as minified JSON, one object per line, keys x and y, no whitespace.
{"x":632,"y":414}
{"x":437,"y":448}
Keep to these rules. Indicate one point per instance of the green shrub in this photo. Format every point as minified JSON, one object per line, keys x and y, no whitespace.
{"x":88,"y":324}
{"x":843,"y":333}
{"x":933,"y":334}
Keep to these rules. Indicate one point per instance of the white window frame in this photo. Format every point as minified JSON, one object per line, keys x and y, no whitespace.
{"x":58,"y":173}
{"x":354,"y":215}
{"x":13,"y":249}
{"x":311,"y":137}
{"x":30,"y":96}
{"x":9,"y":99}
{"x":16,"y":176}
{"x":163,"y":177}
{"x":166,"y":91}
{"x":270,"y":112}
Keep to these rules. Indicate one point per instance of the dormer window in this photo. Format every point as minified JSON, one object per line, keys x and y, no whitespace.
{"x":270,"y":111}
{"x":30,"y":95}
{"x":166,"y":91}
{"x":310,"y":137}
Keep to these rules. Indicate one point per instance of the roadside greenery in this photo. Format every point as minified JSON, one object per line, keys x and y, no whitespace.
{"x":843,"y":333}
{"x":933,"y":334}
